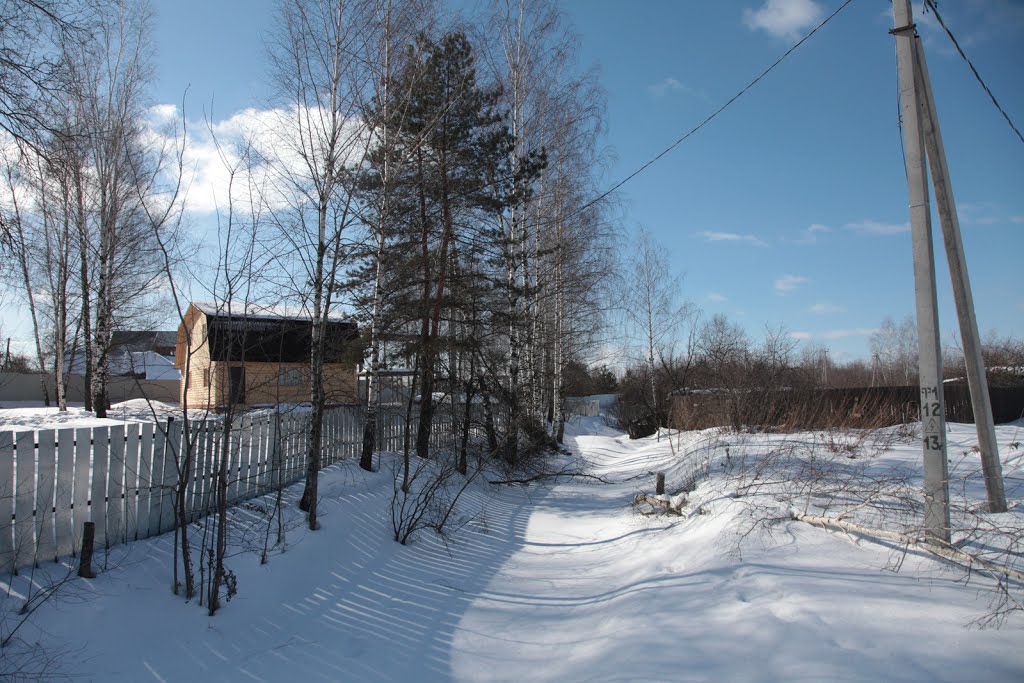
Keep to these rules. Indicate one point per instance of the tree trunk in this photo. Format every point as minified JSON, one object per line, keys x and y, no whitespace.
{"x":183,"y":462}
{"x":492,"y":436}
{"x":316,"y":371}
{"x":408,"y":422}
{"x":221,"y":541}
{"x":86,"y":314}
{"x":463,"y":464}
{"x":373,"y":382}
{"x":104,"y":305}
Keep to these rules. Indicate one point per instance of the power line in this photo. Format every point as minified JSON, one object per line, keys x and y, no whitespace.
{"x":711,"y":117}
{"x":930,"y":4}
{"x":899,"y":114}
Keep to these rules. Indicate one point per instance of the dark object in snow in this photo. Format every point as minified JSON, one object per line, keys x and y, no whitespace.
{"x":85,"y":557}
{"x":647,"y":504}
{"x":641,"y":427}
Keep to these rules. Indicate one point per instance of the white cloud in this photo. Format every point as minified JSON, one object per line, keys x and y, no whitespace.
{"x":983,"y":21}
{"x":667,"y":86}
{"x":809,"y":235}
{"x":783,"y":18}
{"x":984,"y":213}
{"x":833,"y":335}
{"x":787,"y":283}
{"x":871,"y":227}
{"x":162,"y":113}
{"x":826,"y":308}
{"x":855,"y":332}
{"x":13,"y":188}
{"x":247,"y":155}
{"x":713,"y":236}
{"x":716,"y":297}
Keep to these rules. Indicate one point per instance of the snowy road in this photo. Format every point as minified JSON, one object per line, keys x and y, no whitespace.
{"x":559,"y":583}
{"x":598,"y":593}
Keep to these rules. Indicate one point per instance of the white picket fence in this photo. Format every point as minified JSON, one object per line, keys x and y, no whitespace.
{"x":123,"y":478}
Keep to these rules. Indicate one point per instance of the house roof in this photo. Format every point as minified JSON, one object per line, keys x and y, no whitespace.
{"x":143,"y":340}
{"x":275,"y":335}
{"x":257,"y":311}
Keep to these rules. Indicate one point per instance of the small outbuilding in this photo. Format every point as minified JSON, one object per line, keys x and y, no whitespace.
{"x":253,"y":355}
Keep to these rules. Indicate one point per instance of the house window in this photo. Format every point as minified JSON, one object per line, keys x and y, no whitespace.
{"x":290,"y":377}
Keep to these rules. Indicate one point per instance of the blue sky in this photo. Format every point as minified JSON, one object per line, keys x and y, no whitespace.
{"x":790,"y":208}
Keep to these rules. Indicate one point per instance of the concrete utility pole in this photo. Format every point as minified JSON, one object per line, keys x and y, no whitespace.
{"x":976,"y":380}
{"x":933,"y":410}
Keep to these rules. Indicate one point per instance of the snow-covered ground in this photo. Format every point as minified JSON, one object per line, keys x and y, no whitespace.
{"x":562,"y":581}
{"x":32,"y":415}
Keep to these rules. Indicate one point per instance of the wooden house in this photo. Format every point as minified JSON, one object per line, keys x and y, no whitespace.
{"x":259,"y":356}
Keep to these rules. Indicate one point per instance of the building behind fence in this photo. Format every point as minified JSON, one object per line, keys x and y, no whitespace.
{"x":123,"y":478}
{"x":591,"y":406}
{"x":28,"y":386}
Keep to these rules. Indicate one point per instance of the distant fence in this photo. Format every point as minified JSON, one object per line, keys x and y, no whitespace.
{"x":1007,"y":403}
{"x":827,"y":408}
{"x":17,"y":386}
{"x":591,"y":406}
{"x":582,"y":407}
{"x":123,"y":478}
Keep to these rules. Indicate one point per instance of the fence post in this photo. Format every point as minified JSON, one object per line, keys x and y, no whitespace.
{"x":169,"y":475}
{"x":85,"y":561}
{"x":659,"y":486}
{"x":7,"y":502}
{"x":115,"y":486}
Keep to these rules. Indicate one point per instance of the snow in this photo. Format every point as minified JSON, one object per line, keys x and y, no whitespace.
{"x":555,"y":582}
{"x":30,"y":415}
{"x":269,"y":311}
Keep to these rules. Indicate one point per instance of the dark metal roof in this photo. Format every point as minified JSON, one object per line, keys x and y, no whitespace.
{"x":144,"y":340}
{"x":268,"y":340}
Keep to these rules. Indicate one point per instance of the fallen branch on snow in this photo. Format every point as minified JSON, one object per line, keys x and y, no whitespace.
{"x":665,"y":503}
{"x":931,"y":545}
{"x":550,"y":475}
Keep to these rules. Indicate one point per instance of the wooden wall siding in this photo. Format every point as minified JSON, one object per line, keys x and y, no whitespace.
{"x":196,"y":394}
{"x":262,"y":385}
{"x":123,"y":478}
{"x":193,"y":353}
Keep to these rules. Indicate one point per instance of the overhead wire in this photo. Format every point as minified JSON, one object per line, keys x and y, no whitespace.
{"x":930,"y":4}
{"x":710,"y":117}
{"x":899,"y":115}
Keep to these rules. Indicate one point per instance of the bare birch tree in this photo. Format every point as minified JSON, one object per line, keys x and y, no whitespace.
{"x":654,"y":307}
{"x":107,"y":78}
{"x":393,"y":24}
{"x":34,"y":38}
{"x":320,"y":81}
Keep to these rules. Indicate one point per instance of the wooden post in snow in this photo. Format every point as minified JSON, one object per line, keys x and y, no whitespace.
{"x":85,"y":561}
